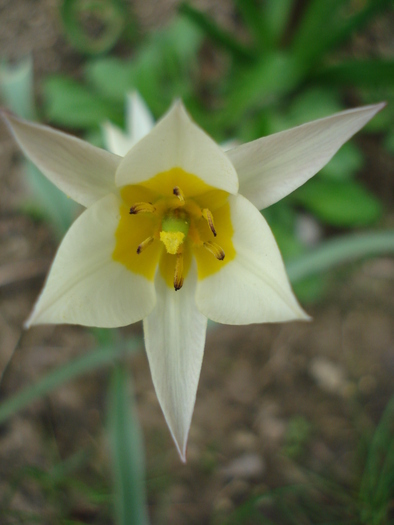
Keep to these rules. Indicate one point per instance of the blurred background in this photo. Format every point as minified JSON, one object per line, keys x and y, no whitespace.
{"x":293,"y":423}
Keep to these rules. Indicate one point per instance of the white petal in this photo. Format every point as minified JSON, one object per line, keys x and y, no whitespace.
{"x":174,"y":340}
{"x":116,"y":141}
{"x":140,"y":120}
{"x":272,"y":167}
{"x":253,"y":287}
{"x":85,"y":285}
{"x":85,"y":173}
{"x":177,"y":142}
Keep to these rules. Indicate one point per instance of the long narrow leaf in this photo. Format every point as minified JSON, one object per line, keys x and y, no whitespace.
{"x":363,"y":73}
{"x":127,"y":454}
{"x":377,"y":483}
{"x":79,"y":366}
{"x":218,"y":35}
{"x":16,"y":87}
{"x":327,"y":23}
{"x":256,"y":23}
{"x":277,"y":14}
{"x":339,"y":251}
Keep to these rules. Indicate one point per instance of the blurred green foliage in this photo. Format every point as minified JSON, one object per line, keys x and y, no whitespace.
{"x":291,"y":67}
{"x":366,"y":500}
{"x":287,"y":70}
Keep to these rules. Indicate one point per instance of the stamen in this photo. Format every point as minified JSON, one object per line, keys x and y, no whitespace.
{"x":179,"y":193}
{"x":147,"y":242}
{"x":142,"y":207}
{"x":215,"y":249}
{"x":209,"y":218}
{"x":178,"y":275}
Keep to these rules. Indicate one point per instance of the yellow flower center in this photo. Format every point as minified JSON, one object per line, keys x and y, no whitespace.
{"x":167,"y":220}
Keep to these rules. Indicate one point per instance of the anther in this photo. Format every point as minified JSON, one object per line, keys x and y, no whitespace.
{"x":179,"y":193}
{"x":142,"y":207}
{"x":215,"y":249}
{"x":178,"y":274}
{"x":147,"y":242}
{"x":209,"y":218}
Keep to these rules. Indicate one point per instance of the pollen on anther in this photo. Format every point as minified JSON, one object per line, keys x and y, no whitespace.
{"x":142,"y":207}
{"x":179,"y":193}
{"x":215,"y":249}
{"x":144,"y":244}
{"x":207,"y":214}
{"x":178,"y":274}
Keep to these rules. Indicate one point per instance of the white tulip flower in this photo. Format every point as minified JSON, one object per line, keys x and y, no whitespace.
{"x":172,"y":234}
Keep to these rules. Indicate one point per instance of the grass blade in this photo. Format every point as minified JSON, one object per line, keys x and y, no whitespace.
{"x":127,"y":454}
{"x":338,"y":251}
{"x":16,"y":87}
{"x":363,"y":73}
{"x":218,"y":35}
{"x":327,"y":23}
{"x":75,"y":368}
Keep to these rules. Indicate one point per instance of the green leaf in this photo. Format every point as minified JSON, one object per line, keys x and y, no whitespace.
{"x":75,"y":368}
{"x":219,"y":36}
{"x":111,"y":77}
{"x":68,"y":103}
{"x":274,"y":76}
{"x":363,"y":73}
{"x":277,"y":15}
{"x":127,"y":454}
{"x":93,"y":26}
{"x":339,"y":203}
{"x":163,"y":64}
{"x":311,"y":289}
{"x":327,"y":23}
{"x":16,"y":87}
{"x":341,"y":250}
{"x":253,"y":18}
{"x":377,"y":484}
{"x":312,"y":104}
{"x":49,"y":203}
{"x":345,"y":164}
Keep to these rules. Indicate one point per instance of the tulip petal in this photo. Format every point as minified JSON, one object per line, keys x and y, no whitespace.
{"x":253,"y":287}
{"x":177,"y":142}
{"x":85,"y":285}
{"x":139,"y":123}
{"x":139,"y":118}
{"x":272,"y":167}
{"x":116,"y":140}
{"x":82,"y":171}
{"x":174,"y":340}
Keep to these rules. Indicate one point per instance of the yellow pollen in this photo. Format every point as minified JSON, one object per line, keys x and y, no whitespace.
{"x":142,"y":207}
{"x":179,"y":193}
{"x":172,"y":241}
{"x":209,"y":218}
{"x":144,"y":244}
{"x":215,"y":249}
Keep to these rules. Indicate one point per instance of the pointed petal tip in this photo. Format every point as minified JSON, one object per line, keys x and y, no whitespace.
{"x":181,"y":450}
